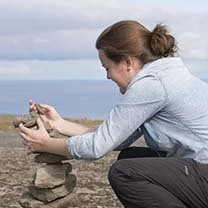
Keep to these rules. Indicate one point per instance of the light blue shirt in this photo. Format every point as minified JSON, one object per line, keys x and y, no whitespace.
{"x":167,"y":102}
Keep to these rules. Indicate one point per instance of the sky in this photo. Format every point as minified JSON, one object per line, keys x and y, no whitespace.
{"x":55,"y":39}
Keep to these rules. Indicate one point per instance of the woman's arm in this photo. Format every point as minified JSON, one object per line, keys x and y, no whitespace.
{"x":72,"y":129}
{"x":139,"y":103}
{"x":63,"y":126}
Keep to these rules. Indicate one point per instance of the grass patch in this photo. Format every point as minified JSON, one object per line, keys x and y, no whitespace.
{"x":87,"y":122}
{"x":6,"y":123}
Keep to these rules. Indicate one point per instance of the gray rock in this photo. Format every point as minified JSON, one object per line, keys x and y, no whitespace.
{"x":71,"y":200}
{"x":52,"y":180}
{"x":45,"y":157}
{"x":27,"y":120}
{"x":30,"y":121}
{"x":27,"y":201}
{"x":50,"y":194}
{"x":50,"y":176}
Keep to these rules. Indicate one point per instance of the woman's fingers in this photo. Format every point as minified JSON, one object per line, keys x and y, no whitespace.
{"x":40,"y":124}
{"x":32,"y":105}
{"x":43,"y":118}
{"x":45,"y":106}
{"x":46,"y":109}
{"x":26,"y":133}
{"x":31,"y":102}
{"x":25,"y":137}
{"x":24,"y":130}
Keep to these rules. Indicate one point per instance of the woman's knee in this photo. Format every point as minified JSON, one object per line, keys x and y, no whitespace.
{"x":116,"y":171}
{"x":113,"y":171}
{"x":126,"y":170}
{"x":121,"y":172}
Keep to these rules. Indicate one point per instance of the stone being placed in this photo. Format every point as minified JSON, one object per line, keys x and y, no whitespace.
{"x":30,"y":121}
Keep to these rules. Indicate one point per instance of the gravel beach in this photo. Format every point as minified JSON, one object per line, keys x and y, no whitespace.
{"x":17,"y":169}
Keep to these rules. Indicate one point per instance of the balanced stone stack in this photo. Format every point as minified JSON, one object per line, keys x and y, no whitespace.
{"x":54,"y":181}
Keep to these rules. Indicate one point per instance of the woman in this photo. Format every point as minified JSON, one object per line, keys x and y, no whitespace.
{"x":161,"y":100}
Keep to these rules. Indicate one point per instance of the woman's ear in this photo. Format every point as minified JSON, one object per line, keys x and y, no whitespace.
{"x":129,"y":63}
{"x":132,"y":63}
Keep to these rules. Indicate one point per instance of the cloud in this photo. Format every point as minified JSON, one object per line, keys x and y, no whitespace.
{"x":55,"y":30}
{"x":193,"y":45}
{"x":7,"y":71}
{"x":54,"y":45}
{"x":51,"y":70}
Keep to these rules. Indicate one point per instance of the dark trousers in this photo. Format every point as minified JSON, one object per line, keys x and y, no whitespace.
{"x":144,"y":179}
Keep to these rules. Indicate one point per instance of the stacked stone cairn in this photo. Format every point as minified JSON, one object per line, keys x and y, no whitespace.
{"x":53,"y":181}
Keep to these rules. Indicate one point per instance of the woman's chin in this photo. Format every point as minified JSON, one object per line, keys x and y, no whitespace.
{"x":122,"y":90}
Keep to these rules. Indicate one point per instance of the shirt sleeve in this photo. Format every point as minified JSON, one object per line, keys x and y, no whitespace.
{"x":142,"y":100}
{"x":132,"y":138}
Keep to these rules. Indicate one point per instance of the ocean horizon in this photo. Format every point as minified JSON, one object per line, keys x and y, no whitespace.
{"x":91,"y":99}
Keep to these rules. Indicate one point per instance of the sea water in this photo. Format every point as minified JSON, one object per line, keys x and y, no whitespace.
{"x":72,"y":98}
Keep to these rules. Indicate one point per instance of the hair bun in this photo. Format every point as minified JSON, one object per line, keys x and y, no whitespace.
{"x":161,"y":42}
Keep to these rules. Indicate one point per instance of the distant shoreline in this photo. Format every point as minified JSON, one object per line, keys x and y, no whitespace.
{"x":10,"y":138}
{"x":6,"y":123}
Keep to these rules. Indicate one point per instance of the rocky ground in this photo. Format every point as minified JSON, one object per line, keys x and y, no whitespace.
{"x":17,"y":169}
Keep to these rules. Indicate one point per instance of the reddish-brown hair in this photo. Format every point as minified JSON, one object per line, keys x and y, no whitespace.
{"x":130,"y":38}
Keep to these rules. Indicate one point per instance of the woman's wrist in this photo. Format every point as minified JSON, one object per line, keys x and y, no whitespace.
{"x":60,"y":125}
{"x":56,"y":146}
{"x":69,"y":128}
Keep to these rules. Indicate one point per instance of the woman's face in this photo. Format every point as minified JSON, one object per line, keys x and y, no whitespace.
{"x":117,"y":72}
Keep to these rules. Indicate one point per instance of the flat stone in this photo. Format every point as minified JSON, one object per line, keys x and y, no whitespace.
{"x":51,"y":175}
{"x":27,"y":120}
{"x":50,"y":194}
{"x":71,"y":200}
{"x":45,"y":157}
{"x":27,"y":201}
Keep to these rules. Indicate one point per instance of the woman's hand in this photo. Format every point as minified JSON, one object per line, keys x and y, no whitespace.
{"x":40,"y":141}
{"x":63,"y":126}
{"x":50,"y":115}
{"x":36,"y":139}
